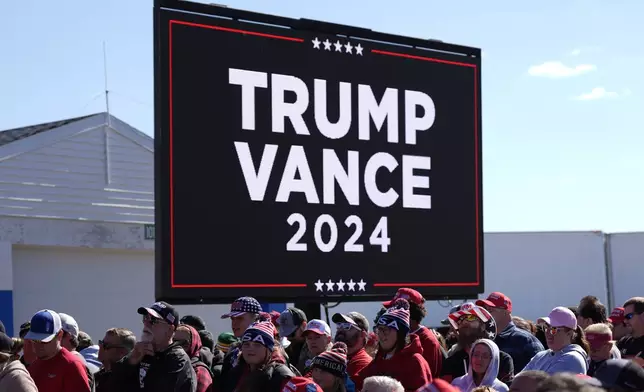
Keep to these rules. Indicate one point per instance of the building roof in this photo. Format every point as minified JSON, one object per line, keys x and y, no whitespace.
{"x":12,"y":135}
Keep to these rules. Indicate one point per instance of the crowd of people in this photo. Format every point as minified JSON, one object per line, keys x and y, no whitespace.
{"x":482,"y":347}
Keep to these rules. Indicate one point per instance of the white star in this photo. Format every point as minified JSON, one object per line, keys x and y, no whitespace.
{"x":319,"y":286}
{"x":316,"y":43}
{"x":338,"y":46}
{"x":352,"y":285}
{"x":361,"y":285}
{"x":359,"y":49}
{"x":340,"y":285}
{"x":329,"y":285}
{"x":349,"y":47}
{"x":327,"y":45}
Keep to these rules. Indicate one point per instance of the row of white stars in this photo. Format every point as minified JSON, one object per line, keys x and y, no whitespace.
{"x":351,"y":285}
{"x":338,"y":46}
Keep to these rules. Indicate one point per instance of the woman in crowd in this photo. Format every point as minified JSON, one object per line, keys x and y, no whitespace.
{"x":14,"y":376}
{"x":483,"y":368}
{"x":257,"y":369}
{"x":567,"y":347}
{"x":399,"y":352}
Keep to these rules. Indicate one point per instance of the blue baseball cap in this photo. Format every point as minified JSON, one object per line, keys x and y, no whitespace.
{"x":45,"y":324}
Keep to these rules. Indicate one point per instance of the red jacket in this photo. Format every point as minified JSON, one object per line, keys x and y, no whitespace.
{"x":356,"y":363}
{"x":431,"y":349}
{"x":407,"y":366}
{"x":63,"y":373}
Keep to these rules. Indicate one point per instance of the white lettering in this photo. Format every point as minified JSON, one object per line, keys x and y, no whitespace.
{"x":413,"y":123}
{"x":256,"y":181}
{"x":378,"y":160}
{"x":248,"y":80}
{"x":281,"y":109}
{"x":410,"y":182}
{"x":348,"y":181}
{"x":342,"y":126}
{"x":297,"y":163}
{"x":368,"y":108}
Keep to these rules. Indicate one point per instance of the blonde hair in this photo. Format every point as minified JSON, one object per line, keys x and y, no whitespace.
{"x":601,"y":329}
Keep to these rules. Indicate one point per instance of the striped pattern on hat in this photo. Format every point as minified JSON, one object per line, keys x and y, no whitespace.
{"x":469,"y":309}
{"x":262,"y":332}
{"x":397,"y":316}
{"x":333,"y":361}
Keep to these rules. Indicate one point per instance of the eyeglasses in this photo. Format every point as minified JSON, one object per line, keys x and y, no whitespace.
{"x":107,"y":346}
{"x":346,"y":326}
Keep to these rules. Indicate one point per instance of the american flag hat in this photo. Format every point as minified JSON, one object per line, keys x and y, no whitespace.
{"x":397,"y":316}
{"x":469,"y":308}
{"x":243,"y":305}
{"x":262,"y":332}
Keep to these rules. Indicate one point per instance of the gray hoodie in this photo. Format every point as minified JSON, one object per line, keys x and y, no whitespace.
{"x":466,"y":383}
{"x":572,"y":359}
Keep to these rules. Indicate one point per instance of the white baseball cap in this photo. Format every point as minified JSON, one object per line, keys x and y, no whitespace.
{"x":69,"y":324}
{"x":320,"y":327}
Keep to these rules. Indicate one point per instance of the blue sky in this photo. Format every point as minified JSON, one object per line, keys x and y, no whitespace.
{"x":562,"y":94}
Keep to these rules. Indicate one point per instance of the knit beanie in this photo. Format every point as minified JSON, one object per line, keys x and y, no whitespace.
{"x":262,"y":332}
{"x":397,"y":316}
{"x":224,"y":341}
{"x":333,"y":361}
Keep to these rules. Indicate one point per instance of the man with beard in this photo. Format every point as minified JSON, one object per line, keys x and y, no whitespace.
{"x":471,"y":323}
{"x":353,"y":330}
{"x":156,"y":363}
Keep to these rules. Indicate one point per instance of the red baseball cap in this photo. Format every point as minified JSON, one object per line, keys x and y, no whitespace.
{"x":496,"y":300}
{"x":411,"y":295}
{"x":616,"y":316}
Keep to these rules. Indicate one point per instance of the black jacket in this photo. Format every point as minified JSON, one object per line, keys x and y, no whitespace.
{"x":167,"y":371}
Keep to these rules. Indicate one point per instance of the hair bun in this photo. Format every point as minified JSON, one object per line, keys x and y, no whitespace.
{"x":340,"y":347}
{"x":401,"y":303}
{"x":264,"y":317}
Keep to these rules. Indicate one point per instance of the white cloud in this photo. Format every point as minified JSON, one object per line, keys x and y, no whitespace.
{"x":595,"y":94}
{"x":575,"y":52}
{"x":556,"y":69}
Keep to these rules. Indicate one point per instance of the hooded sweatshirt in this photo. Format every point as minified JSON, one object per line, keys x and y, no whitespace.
{"x":572,"y":359}
{"x":407,"y":366}
{"x":466,"y":383}
{"x":204,"y":378}
{"x":15,"y":378}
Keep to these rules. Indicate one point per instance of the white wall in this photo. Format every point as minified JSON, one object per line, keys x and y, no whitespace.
{"x":627,"y":256}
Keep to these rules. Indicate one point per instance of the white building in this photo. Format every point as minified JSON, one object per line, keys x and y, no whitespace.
{"x":76,"y":196}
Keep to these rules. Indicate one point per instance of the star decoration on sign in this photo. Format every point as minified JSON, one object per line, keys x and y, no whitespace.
{"x":348,"y":47}
{"x":319,"y":286}
{"x":329,"y":285}
{"x":351,"y":285}
{"x":359,"y":49}
{"x":327,"y":45}
{"x":316,"y":43}
{"x":338,"y":46}
{"x":340,"y":285}
{"x":361,"y":285}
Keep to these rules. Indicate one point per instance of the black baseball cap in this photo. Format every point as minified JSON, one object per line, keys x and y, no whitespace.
{"x":621,"y":373}
{"x":162,"y":310}
{"x":194,"y":321}
{"x":352,"y":318}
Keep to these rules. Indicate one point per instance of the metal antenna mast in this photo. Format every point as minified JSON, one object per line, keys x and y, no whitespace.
{"x":107,"y":92}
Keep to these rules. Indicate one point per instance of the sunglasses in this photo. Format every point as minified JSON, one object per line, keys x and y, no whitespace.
{"x":346,"y":326}
{"x":553,"y":330}
{"x":107,"y":346}
{"x":631,"y":315}
{"x":152,"y":320}
{"x":467,"y":318}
